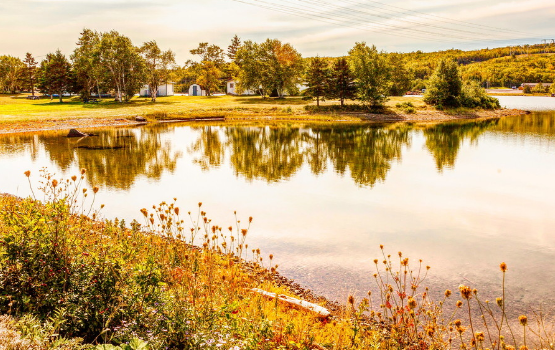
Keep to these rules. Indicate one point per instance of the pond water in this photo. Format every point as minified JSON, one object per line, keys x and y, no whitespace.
{"x":463,"y":196}
{"x":528,"y":103}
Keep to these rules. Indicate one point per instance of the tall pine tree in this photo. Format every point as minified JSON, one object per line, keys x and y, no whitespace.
{"x":55,"y":74}
{"x":317,"y":78}
{"x":342,"y":82}
{"x":30,"y":72}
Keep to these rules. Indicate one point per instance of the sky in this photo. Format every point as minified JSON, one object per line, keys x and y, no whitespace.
{"x":313,"y":27}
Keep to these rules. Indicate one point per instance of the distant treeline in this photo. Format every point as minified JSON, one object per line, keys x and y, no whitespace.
{"x":110,"y":63}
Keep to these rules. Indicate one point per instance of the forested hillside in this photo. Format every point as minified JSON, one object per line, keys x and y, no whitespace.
{"x":504,"y":66}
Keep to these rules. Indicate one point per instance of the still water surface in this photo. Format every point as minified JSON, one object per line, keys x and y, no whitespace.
{"x":463,"y":196}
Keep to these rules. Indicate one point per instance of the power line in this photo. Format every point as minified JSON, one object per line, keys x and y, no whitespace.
{"x":359,"y":19}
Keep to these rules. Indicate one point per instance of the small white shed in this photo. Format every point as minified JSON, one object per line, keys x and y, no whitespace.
{"x":196,"y":90}
{"x":163,"y":90}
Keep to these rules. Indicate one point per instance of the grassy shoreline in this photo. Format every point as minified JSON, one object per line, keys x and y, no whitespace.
{"x":71,"y":280}
{"x":17,"y":114}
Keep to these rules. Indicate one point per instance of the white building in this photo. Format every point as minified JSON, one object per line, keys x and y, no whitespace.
{"x":196,"y":90}
{"x":232,"y":89}
{"x":163,"y":90}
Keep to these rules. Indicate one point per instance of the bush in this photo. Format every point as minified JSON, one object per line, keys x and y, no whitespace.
{"x":445,"y":85}
{"x":474,"y":96}
{"x":540,"y":89}
{"x":527,"y":89}
{"x":407,"y":107}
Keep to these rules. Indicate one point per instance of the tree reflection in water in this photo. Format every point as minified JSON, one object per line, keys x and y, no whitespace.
{"x":139,"y":152}
{"x":277,"y":153}
{"x":363,"y":152}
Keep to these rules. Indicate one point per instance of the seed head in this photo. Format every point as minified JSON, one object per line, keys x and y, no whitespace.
{"x":457,"y":323}
{"x":83,"y":171}
{"x":176,"y":210}
{"x":250,"y":219}
{"x":95,"y":189}
{"x":499,"y":302}
{"x":447,"y":293}
{"x":73,"y":178}
{"x":351,"y":300}
{"x":459,"y":303}
{"x":523,"y":320}
{"x":54,"y":183}
{"x":466,"y":292}
{"x":480,"y":336}
{"x":412,"y":303}
{"x":503,"y":267}
{"x":27,"y":173}
{"x":199,"y":204}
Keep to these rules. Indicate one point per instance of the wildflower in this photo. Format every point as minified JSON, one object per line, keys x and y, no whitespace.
{"x":503,"y":267}
{"x":457,"y":323}
{"x":523,"y":320}
{"x":376,"y":261}
{"x":499,"y":302}
{"x":447,"y":293}
{"x":176,"y":210}
{"x":412,"y":303}
{"x":459,"y":303}
{"x":466,"y":292}
{"x":95,"y":189}
{"x":27,"y":173}
{"x":250,"y":219}
{"x":73,"y":178}
{"x":523,"y":347}
{"x":54,"y":183}
{"x":244,"y":232}
{"x":351,"y":300}
{"x":271,"y":256}
{"x":480,"y":336}
{"x":430,"y":330}
{"x":83,"y":171}
{"x":199,"y":204}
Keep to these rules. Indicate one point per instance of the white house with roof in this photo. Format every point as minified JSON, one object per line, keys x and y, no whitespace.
{"x":165,"y":89}
{"x":232,"y":88}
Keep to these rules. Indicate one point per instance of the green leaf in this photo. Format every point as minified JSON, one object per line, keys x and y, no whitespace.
{"x":138,"y":344}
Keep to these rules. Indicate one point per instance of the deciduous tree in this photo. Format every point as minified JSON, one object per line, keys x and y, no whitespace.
{"x":10,"y":73}
{"x":209,"y":70}
{"x":158,"y":66}
{"x":86,"y":63}
{"x":371,"y":73}
{"x":124,"y":65}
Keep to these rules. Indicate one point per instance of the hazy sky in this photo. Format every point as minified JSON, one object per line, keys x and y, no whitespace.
{"x":324,"y":27}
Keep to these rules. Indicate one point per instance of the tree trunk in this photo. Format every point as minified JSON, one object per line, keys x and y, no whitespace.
{"x":61,"y":101}
{"x":317,"y":101}
{"x":153,"y":93}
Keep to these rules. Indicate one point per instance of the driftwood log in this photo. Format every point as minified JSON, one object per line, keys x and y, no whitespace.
{"x":321,"y":311}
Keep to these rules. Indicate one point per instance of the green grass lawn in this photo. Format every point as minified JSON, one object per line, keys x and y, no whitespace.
{"x":17,"y":108}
